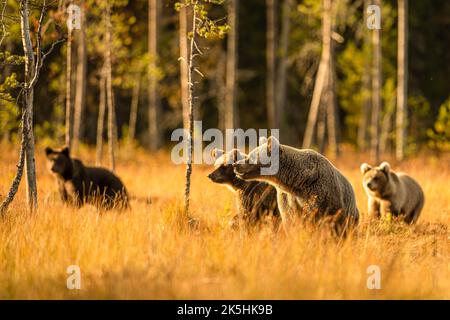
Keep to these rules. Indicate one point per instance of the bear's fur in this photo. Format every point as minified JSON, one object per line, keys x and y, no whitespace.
{"x":79,"y":184}
{"x":391,"y":192}
{"x":307,"y":184}
{"x":256,"y":201}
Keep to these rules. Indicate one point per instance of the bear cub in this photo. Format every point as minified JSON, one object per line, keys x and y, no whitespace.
{"x":79,"y":184}
{"x":256,"y":201}
{"x":391,"y":192}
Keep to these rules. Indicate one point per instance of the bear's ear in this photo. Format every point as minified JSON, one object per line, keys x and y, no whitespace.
{"x":385,"y":167}
{"x":365,"y":167}
{"x":262,"y":140}
{"x":48,"y":151}
{"x":273,"y":144}
{"x":216,"y":153}
{"x":66,"y":151}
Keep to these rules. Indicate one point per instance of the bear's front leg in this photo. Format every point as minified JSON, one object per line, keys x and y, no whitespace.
{"x":62,"y":191}
{"x":387,"y":209}
{"x":284,"y":207}
{"x":374,"y":208}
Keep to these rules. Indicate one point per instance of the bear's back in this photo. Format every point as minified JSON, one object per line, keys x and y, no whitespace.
{"x":103,"y":178}
{"x":410,"y":188}
{"x":324,"y":181}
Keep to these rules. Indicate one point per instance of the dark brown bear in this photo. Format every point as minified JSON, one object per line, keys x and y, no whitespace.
{"x":79,"y":184}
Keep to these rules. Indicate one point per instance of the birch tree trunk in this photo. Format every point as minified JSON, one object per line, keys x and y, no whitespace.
{"x":322,"y":74}
{"x":232,"y":65}
{"x":30,"y":70}
{"x":80,"y":90}
{"x":101,"y":118}
{"x":112,"y":126}
{"x":184,"y":53}
{"x":366,"y":89}
{"x":331,"y":109}
{"x":376,"y":92}
{"x":69,"y":106}
{"x":321,"y":125}
{"x":281,"y":77}
{"x":402,"y":79}
{"x":154,"y":105}
{"x":190,"y":95}
{"x":272,"y":116}
{"x":134,"y":111}
{"x":33,"y":64}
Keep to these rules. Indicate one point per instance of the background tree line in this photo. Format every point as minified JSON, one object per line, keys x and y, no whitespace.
{"x":311,"y":68}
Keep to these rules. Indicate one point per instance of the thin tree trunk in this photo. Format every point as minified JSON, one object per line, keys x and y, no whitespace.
{"x":109,"y":93}
{"x":33,"y":65}
{"x":101,"y":118}
{"x":154,"y":105}
{"x":402,"y":79}
{"x":134,"y":111}
{"x":191,"y":111}
{"x":366,"y":89}
{"x":321,"y":77}
{"x":184,"y":53}
{"x":376,"y":92}
{"x":30,"y":168}
{"x":69,"y":106}
{"x":232,"y":65}
{"x":282,"y":67}
{"x":80,"y":90}
{"x":272,"y":115}
{"x":332,"y":113}
{"x":321,"y":125}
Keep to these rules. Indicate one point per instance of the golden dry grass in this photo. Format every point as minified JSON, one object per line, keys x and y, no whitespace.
{"x":151,"y":252}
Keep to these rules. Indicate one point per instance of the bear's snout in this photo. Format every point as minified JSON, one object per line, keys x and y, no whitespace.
{"x":214,"y":177}
{"x":372,"y":186}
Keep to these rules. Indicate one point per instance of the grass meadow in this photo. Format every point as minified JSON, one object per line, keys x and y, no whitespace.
{"x":152,"y":252}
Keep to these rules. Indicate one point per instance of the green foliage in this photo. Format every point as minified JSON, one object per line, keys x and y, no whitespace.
{"x":351,"y":93}
{"x":9,"y":115}
{"x":49,"y":132}
{"x":419,"y":120}
{"x":9,"y":84}
{"x":206,"y":27}
{"x":440,"y":134}
{"x":427,"y":78}
{"x":7,"y":57}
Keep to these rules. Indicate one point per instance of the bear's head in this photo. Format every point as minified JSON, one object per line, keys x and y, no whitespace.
{"x":59,"y":162}
{"x":375,"y":179}
{"x":223,"y":166}
{"x":261,"y":161}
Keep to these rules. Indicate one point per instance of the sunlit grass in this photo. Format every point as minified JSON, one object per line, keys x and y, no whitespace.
{"x":152,"y":251}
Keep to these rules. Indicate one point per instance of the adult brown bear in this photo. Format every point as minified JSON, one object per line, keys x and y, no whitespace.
{"x":79,"y":184}
{"x":307,"y":184}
